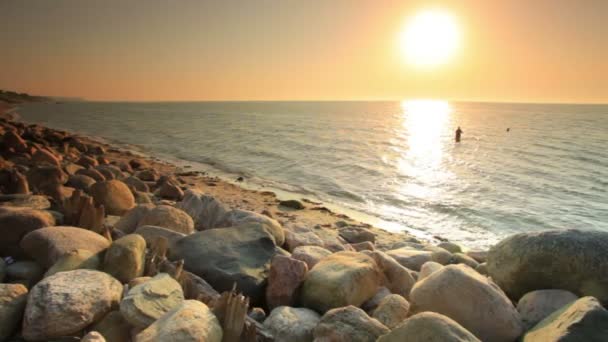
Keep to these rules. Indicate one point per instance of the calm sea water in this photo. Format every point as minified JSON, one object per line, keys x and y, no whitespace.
{"x":394,"y":162}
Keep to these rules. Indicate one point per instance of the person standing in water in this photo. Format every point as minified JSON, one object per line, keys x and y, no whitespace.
{"x":458,"y":134}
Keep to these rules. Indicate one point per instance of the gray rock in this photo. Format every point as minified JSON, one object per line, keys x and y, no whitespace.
{"x":583,"y":320}
{"x":348,"y":324}
{"x":429,"y":327}
{"x":67,"y":302}
{"x":411,"y":258}
{"x":147,"y":302}
{"x":537,"y":305}
{"x":239,"y":217}
{"x":190,"y":321}
{"x":238,"y":255}
{"x":12,"y":302}
{"x":573,"y":260}
{"x":292,"y":324}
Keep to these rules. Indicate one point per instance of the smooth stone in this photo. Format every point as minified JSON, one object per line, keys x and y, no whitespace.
{"x":152,"y":233}
{"x":129,"y":222}
{"x":397,"y":278}
{"x":583,"y":320}
{"x":238,"y":255}
{"x":537,"y":305}
{"x":460,"y":258}
{"x":16,"y":223}
{"x":479,"y":256}
{"x":429,"y":327}
{"x":67,"y":302}
{"x":190,"y":321}
{"x":371,"y":304}
{"x":168,"y":217}
{"x":114,"y":195}
{"x":411,"y":258}
{"x":206,"y":211}
{"x":295,"y":240}
{"x":12,"y":303}
{"x":74,"y":260}
{"x":238,"y":217}
{"x":26,"y":201}
{"x":293,"y":204}
{"x":146,"y":302}
{"x":169,"y":190}
{"x":137,"y":184}
{"x":573,"y":260}
{"x":311,"y":255}
{"x":450,"y":247}
{"x":324,"y":287}
{"x":392,"y":310}
{"x":285,"y":277}
{"x":125,"y":258}
{"x":428,"y":268}
{"x":348,"y":324}
{"x":470,"y":299}
{"x":27,"y":273}
{"x":113,"y":327}
{"x":47,"y":245}
{"x":81,"y":182}
{"x":357,"y":234}
{"x":292,"y":324}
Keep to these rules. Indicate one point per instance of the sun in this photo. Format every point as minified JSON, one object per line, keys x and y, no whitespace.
{"x":430,"y":38}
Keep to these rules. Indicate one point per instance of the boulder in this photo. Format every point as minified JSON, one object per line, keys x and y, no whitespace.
{"x":137,"y":184}
{"x":47,"y":245}
{"x":12,"y":302}
{"x":26,"y":201}
{"x":80,"y":182}
{"x":450,"y":247}
{"x":293,"y":204}
{"x":169,"y":190}
{"x":573,"y":260}
{"x":96,"y":175}
{"x":206,"y":211}
{"x":114,"y":195}
{"x":284,"y":279}
{"x":74,"y":260}
{"x":15,"y":223}
{"x":397,"y":278}
{"x":146,"y":302}
{"x":125,"y":258}
{"x":27,"y":273}
{"x":294,"y":240}
{"x":371,"y":304}
{"x":45,"y":177}
{"x":151,"y":233}
{"x":411,"y":258}
{"x":429,"y":327}
{"x":582,"y":320}
{"x":357,"y":234}
{"x":130,"y":221}
{"x":537,"y":305}
{"x":231,"y":255}
{"x":113,"y":327}
{"x":479,"y":256}
{"x":325,"y":285}
{"x":292,"y":324}
{"x":87,"y":161}
{"x":45,"y":157}
{"x":149,"y":175}
{"x":460,"y":258}
{"x":239,"y":217}
{"x":168,"y":217}
{"x":428,"y":268}
{"x":93,"y":336}
{"x":348,"y":324}
{"x":67,"y":302}
{"x":392,"y":310}
{"x":311,"y":255}
{"x":190,"y":321}
{"x":470,"y":299}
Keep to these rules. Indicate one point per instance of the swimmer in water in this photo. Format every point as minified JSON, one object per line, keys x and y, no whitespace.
{"x":458,"y":134}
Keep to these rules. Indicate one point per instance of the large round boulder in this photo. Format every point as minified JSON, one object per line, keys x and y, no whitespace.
{"x":238,"y":217}
{"x":47,"y":245}
{"x":190,"y":321}
{"x":16,"y":223}
{"x":67,"y":302}
{"x":292,"y":324}
{"x":472,"y":300}
{"x":168,"y":217}
{"x":430,"y":327}
{"x":226,"y":256}
{"x":341,"y":279}
{"x":573,"y":260}
{"x":538,"y":305}
{"x":114,"y":195}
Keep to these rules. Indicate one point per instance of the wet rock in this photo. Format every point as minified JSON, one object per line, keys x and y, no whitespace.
{"x":470,"y":299}
{"x":24,"y":272}
{"x":537,"y":305}
{"x":582,"y":320}
{"x":397,"y":278}
{"x":286,"y":275}
{"x":292,"y":324}
{"x":324,"y":287}
{"x":75,"y":260}
{"x":573,"y":260}
{"x":67,"y":302}
{"x":392,"y":310}
{"x":47,"y":245}
{"x":113,"y":327}
{"x":168,"y":217}
{"x":190,"y":321}
{"x":348,"y":324}
{"x":125,"y":258}
{"x":311,"y":255}
{"x":16,"y":223}
{"x":232,"y":255}
{"x":147,"y":302}
{"x":12,"y":302}
{"x":114,"y":195}
{"x":429,"y":326}
{"x":293,"y":204}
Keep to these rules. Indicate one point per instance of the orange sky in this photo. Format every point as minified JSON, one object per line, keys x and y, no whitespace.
{"x":152,"y":50}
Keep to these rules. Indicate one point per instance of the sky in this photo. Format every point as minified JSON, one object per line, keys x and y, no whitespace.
{"x":153,"y":50}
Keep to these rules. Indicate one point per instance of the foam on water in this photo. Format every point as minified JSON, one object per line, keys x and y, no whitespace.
{"x":394,"y":163}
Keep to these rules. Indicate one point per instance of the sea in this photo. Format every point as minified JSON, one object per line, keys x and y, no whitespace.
{"x":395,"y":164}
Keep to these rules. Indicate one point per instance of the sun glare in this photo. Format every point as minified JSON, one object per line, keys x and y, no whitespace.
{"x":430,"y":38}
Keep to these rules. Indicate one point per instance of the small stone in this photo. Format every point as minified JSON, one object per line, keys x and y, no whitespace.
{"x":292,"y":324}
{"x":348,"y":324}
{"x":392,"y":310}
{"x":293,"y":204}
{"x":114,"y":195}
{"x":357,"y":234}
{"x":114,"y":327}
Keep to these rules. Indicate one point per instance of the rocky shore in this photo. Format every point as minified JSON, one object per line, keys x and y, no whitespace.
{"x":100,"y":244}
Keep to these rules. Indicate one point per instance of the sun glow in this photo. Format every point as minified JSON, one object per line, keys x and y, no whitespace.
{"x":430,"y":38}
